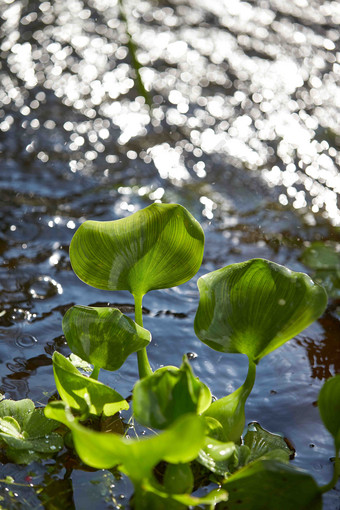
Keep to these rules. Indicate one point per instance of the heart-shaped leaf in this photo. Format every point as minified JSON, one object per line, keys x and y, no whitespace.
{"x":159,"y":399}
{"x":83,"y":393}
{"x":158,"y":247}
{"x":268,"y":485}
{"x":256,"y":306}
{"x":136,"y":457}
{"x":229,"y":410}
{"x":329,"y":407}
{"x":103,"y":336}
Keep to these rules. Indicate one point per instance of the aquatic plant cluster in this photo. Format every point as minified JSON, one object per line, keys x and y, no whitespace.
{"x":251,"y":308}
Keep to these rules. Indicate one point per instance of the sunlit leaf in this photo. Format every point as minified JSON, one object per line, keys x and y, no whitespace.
{"x":269,"y":485}
{"x":263,"y":443}
{"x":103,"y":336}
{"x":136,"y":457}
{"x":83,"y":393}
{"x":159,"y":399}
{"x":216,"y":455}
{"x":229,"y":410}
{"x":158,"y":247}
{"x":256,"y":306}
{"x":329,"y":407}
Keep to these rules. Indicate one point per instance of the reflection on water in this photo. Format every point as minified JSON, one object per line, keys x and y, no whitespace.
{"x":243,"y":130}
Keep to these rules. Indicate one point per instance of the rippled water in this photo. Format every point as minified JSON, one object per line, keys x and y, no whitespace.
{"x":244,"y":132}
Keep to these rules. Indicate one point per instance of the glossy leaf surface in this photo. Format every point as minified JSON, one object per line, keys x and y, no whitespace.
{"x":261,"y":443}
{"x":136,"y":457}
{"x":269,"y":485}
{"x":229,"y":411}
{"x":329,"y":407}
{"x":161,"y":398}
{"x":103,"y":336}
{"x":27,"y":434}
{"x":256,"y":306}
{"x":83,"y":393}
{"x":158,"y":247}
{"x":217,"y":456}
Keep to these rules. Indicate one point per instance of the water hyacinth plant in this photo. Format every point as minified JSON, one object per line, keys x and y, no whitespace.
{"x":250,"y":308}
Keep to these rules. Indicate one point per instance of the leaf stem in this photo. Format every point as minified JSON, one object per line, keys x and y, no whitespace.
{"x":144,"y":368}
{"x":336,"y":474}
{"x":95,"y":373}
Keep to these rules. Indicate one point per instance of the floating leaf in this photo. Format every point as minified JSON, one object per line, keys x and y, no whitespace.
{"x":25,"y":432}
{"x":263,"y":443}
{"x":158,"y":247}
{"x":83,"y":393}
{"x":256,"y":306}
{"x":103,"y":336}
{"x":159,"y":399}
{"x":268,"y":485}
{"x":136,"y":457}
{"x":229,"y":410}
{"x":329,"y":407}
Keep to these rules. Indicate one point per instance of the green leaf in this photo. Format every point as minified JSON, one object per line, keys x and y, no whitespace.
{"x":178,"y":479}
{"x":229,"y":410}
{"x":159,"y":399}
{"x":268,"y":485}
{"x":158,"y":247}
{"x":28,"y":435}
{"x":20,"y":410}
{"x":136,"y":457}
{"x":255,"y":307}
{"x":322,"y":255}
{"x":329,"y":407}
{"x":103,"y":336}
{"x":83,"y":393}
{"x":217,"y":456}
{"x":263,"y":443}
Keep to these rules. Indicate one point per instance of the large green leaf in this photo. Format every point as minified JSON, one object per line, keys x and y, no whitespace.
{"x":229,"y":410}
{"x":136,"y":457}
{"x":83,"y":393}
{"x":159,"y":399}
{"x":269,"y":485}
{"x":329,"y":407}
{"x":256,"y":306}
{"x":158,"y":247}
{"x":103,"y":336}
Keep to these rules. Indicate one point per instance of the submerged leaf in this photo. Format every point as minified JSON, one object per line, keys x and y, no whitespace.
{"x":103,"y":336}
{"x":158,"y":247}
{"x":159,"y":399}
{"x":83,"y":393}
{"x":256,"y":306}
{"x":329,"y":407}
{"x":269,"y":485}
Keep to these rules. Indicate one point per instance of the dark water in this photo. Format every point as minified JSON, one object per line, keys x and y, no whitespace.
{"x":244,"y":133}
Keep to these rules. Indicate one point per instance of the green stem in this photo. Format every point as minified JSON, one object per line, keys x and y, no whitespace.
{"x":250,"y":380}
{"x":336,"y":474}
{"x":95,"y":373}
{"x":144,"y":368}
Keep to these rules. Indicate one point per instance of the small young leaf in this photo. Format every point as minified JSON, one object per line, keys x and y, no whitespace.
{"x":103,"y":336}
{"x":329,"y":407}
{"x":20,"y":410}
{"x":269,"y":485}
{"x":216,"y":456}
{"x":263,"y":443}
{"x":256,"y":306}
{"x":10,"y":426}
{"x":83,"y":393}
{"x":159,"y":399}
{"x":179,"y":443}
{"x":158,"y":247}
{"x":229,"y":410}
